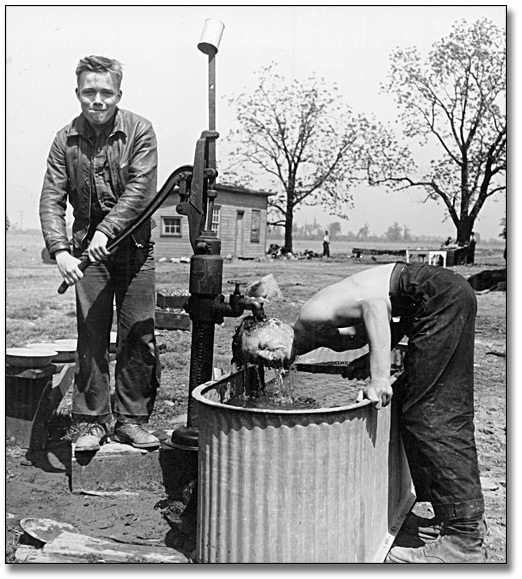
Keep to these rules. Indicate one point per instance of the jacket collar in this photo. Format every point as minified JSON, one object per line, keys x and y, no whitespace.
{"x":80,"y":126}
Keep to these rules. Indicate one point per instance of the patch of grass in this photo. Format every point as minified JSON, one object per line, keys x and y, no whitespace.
{"x":173,"y":361}
{"x":32,"y":311}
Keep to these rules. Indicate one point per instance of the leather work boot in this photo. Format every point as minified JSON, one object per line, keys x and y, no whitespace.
{"x":135,"y":435}
{"x":92,"y":436}
{"x":451,"y":546}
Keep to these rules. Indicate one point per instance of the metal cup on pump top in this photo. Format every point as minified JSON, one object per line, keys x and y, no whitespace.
{"x":211,"y":36}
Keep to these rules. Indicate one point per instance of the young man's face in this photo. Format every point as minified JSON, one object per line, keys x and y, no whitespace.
{"x":99,"y":94}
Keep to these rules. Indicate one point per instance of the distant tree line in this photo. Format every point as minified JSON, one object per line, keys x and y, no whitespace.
{"x":395,"y":233}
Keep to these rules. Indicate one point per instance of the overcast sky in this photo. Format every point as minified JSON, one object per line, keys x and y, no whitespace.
{"x":165,"y":80}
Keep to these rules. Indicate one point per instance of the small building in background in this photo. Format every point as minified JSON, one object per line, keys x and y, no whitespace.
{"x":239,"y":219}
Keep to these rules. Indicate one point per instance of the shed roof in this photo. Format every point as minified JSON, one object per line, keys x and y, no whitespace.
{"x":237,"y":189}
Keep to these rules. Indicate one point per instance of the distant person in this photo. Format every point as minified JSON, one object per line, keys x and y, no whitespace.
{"x":326,"y":245}
{"x":470,"y":257}
{"x":437,"y":310}
{"x":448,"y":242}
{"x":104,"y":163}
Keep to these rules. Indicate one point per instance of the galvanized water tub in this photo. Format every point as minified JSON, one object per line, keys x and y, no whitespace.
{"x":330,"y":485}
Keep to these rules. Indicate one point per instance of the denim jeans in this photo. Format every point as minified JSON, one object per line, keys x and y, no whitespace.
{"x":435,"y":391}
{"x":126,"y":278}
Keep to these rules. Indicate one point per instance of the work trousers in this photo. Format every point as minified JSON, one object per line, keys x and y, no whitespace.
{"x":126,"y":278}
{"x":435,"y":391}
{"x":326,"y":249}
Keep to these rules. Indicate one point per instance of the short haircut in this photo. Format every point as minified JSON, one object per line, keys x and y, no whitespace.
{"x":99,"y":64}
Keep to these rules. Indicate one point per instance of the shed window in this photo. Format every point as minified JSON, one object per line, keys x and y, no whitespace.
{"x":216,"y":214}
{"x":255,"y":231}
{"x":171,"y":226}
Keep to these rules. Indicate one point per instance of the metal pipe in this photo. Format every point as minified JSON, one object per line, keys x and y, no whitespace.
{"x":201,"y":364}
{"x":212,"y":91}
{"x":212,"y":162}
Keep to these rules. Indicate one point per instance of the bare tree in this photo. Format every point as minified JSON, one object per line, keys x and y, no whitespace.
{"x":298,"y":140}
{"x":454,"y":103}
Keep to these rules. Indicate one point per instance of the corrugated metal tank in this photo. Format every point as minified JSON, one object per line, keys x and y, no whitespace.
{"x":290,"y":486}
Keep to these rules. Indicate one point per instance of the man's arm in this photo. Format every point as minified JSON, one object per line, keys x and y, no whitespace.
{"x":331,"y":318}
{"x":376,"y":316}
{"x":53,"y":199}
{"x":359,"y":369}
{"x":53,"y":207}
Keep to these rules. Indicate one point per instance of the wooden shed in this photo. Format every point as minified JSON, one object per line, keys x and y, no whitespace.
{"x":239,"y":219}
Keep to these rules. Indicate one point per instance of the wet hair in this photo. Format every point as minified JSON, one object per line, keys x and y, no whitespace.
{"x":266,"y":332}
{"x":100,"y":64}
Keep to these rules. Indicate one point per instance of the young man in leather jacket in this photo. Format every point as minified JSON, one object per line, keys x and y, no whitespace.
{"x":104,"y":163}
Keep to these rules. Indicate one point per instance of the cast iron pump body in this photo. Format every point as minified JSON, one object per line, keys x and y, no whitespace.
{"x":206,"y":305}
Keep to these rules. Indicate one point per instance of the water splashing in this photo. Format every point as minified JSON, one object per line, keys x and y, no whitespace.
{"x":278,"y":392}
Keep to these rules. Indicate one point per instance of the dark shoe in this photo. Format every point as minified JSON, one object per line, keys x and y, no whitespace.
{"x":92,"y":436}
{"x":135,"y":435}
{"x":444,"y":549}
{"x":424,"y":528}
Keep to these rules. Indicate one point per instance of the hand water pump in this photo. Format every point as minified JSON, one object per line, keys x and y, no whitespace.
{"x":206,"y":304}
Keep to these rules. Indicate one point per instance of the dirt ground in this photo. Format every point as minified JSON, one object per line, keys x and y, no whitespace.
{"x":37,"y":484}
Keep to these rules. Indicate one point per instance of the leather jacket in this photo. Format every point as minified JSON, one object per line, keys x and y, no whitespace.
{"x":131,"y":173}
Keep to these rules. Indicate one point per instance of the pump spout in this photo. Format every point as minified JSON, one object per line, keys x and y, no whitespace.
{"x":237,"y":304}
{"x":236,"y":307}
{"x":253,"y":304}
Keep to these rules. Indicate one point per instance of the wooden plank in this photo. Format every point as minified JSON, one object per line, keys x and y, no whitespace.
{"x":323,"y":367}
{"x":92,"y":549}
{"x":33,"y":373}
{"x":104,"y":472}
{"x":26,"y":554}
{"x":368,"y":251}
{"x":117,"y":467}
{"x":166,"y":320}
{"x":164,"y":300}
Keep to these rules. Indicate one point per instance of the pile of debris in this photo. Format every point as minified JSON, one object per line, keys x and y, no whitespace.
{"x":489,"y":280}
{"x":48,"y":541}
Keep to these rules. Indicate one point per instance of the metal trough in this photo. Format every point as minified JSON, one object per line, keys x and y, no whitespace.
{"x":328,"y":485}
